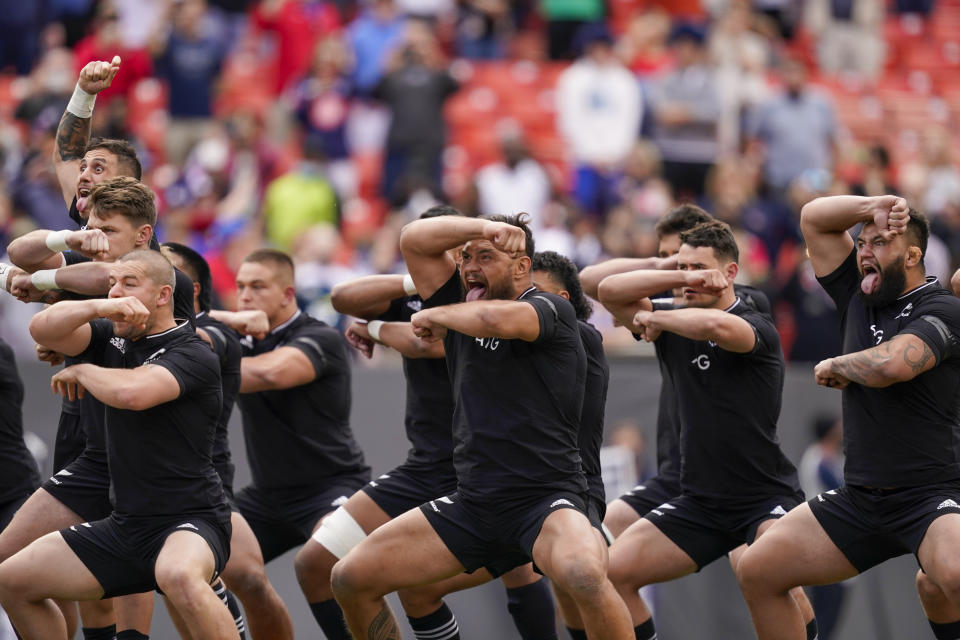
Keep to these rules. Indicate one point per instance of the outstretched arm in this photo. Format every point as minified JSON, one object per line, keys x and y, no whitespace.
{"x":251,"y":322}
{"x":592,"y":276}
{"x":73,"y":132}
{"x":507,"y":319}
{"x":64,"y":327}
{"x":369,"y":296}
{"x":41,"y":249}
{"x":729,"y":332}
{"x":825,"y":222}
{"x":85,"y":278}
{"x":282,"y":368}
{"x":397,"y":335}
{"x":424,"y":245}
{"x":132,"y":389}
{"x":900,"y":359}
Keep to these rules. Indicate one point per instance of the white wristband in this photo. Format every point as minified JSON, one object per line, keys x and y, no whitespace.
{"x":408,"y":286}
{"x":81,"y":103}
{"x":373,"y":328}
{"x":57,"y":240}
{"x":45,"y":279}
{"x":5,"y":270}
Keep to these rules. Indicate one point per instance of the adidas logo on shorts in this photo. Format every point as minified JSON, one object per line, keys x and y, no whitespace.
{"x":187,"y":525}
{"x":948,"y":503}
{"x":778,"y":511}
{"x":557,"y":503}
{"x":342,"y":500}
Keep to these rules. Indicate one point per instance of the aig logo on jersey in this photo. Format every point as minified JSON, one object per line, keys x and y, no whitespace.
{"x":488,"y":343}
{"x":702,"y":362}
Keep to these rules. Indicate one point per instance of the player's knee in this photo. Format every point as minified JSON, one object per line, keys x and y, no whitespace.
{"x":619,"y":517}
{"x":946,"y":586}
{"x":177,"y":581}
{"x":580,"y":574}
{"x":16,"y":583}
{"x":247,"y":580}
{"x":756,"y":574}
{"x":927,"y":589}
{"x":348,"y":579}
{"x":313,"y":563}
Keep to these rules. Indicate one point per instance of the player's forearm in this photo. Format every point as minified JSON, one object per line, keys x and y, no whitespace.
{"x":400,"y":337}
{"x":367,"y":297}
{"x":835,"y":214}
{"x":30,"y":252}
{"x":85,"y":278}
{"x":702,"y":324}
{"x":59,"y":321}
{"x":507,"y":319}
{"x":117,"y":388}
{"x":434,"y":236}
{"x":898,"y":360}
{"x":627,"y":288}
{"x":592,"y":276}
{"x":73,"y":135}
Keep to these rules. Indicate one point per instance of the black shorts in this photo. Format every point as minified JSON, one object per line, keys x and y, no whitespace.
{"x":651,"y":494}
{"x":409,"y":486}
{"x":121,"y":554}
{"x":9,"y":508}
{"x":870,"y":526}
{"x":707,"y":529}
{"x":83,"y":486}
{"x":496,"y":536}
{"x":282,"y":520}
{"x":70,"y":441}
{"x":596,"y":510}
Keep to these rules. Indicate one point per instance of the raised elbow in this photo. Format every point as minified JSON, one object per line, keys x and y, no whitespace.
{"x":131,"y":398}
{"x":590,"y":281}
{"x":607,"y":291}
{"x":338,"y":298}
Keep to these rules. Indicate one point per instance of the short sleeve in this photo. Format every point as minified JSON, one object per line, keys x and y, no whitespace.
{"x":551,"y":311}
{"x":100,"y":333}
{"x":193,"y":364}
{"x":312,"y":344}
{"x":765,"y":332}
{"x":218,"y":339}
{"x":72,"y":257}
{"x":841,"y":284}
{"x":395,"y":313}
{"x":938,"y":325}
{"x":450,"y":293}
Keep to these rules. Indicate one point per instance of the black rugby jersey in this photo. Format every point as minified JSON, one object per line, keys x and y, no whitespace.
{"x":19,"y":474}
{"x":594,"y":405}
{"x":728,"y":404}
{"x":904,"y":435}
{"x":226,"y":344}
{"x":160,"y":458}
{"x":300,"y":437}
{"x":517,"y":404}
{"x":429,"y":413}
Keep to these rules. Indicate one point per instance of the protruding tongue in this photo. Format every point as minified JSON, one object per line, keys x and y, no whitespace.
{"x":870,"y":283}
{"x":81,"y":203}
{"x":475,"y":293}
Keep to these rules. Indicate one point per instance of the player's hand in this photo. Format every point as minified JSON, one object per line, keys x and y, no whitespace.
{"x":98,"y":75}
{"x":424,"y":327}
{"x":505,"y":237}
{"x":49,"y":355}
{"x":359,"y":338}
{"x":891,"y":214}
{"x":12,"y":273}
{"x":23,"y":289}
{"x":826,"y":377}
{"x":706,"y":280}
{"x":67,"y":384}
{"x":251,"y":322}
{"x":643,"y":326}
{"x":92,"y":243}
{"x":127,"y":309}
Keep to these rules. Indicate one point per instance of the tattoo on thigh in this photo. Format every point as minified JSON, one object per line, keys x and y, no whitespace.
{"x":383,"y":626}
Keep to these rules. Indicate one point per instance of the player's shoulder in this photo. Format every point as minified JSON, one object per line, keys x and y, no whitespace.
{"x":934,"y":296}
{"x":753,"y":297}
{"x":559,"y":305}
{"x":309,"y":328}
{"x":590,"y":336}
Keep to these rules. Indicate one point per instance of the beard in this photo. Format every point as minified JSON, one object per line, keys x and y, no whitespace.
{"x":499,"y":290}
{"x":893,"y":280}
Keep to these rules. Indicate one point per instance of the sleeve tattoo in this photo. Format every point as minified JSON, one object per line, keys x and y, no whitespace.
{"x":866,"y":367}
{"x":73,"y":134}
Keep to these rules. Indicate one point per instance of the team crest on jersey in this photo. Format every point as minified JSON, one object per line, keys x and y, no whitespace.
{"x":119,"y":343}
{"x":905,"y":313}
{"x":702,"y":361}
{"x":415,"y":304}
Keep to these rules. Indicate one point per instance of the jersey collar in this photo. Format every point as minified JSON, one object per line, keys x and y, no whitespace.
{"x":930,"y":280}
{"x":521,"y":296}
{"x":732,"y":306}
{"x":287,"y":323}
{"x":168,"y":331}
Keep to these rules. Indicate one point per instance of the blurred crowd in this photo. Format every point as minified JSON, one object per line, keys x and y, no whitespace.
{"x":321,"y":126}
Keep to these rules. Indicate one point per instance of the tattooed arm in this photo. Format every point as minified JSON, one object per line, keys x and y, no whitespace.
{"x":901,"y":359}
{"x":73,"y":133}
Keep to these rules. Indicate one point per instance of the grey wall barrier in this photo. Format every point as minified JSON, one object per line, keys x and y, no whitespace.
{"x":880,"y":604}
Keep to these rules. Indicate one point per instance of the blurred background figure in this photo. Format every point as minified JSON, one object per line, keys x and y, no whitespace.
{"x":686,"y":114}
{"x":821,"y":470}
{"x":849,"y":35}
{"x":599,"y":109}
{"x":624,"y":458}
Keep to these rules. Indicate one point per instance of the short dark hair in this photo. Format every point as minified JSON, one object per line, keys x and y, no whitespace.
{"x":156,"y":265}
{"x":715,"y":234}
{"x":566,"y":273}
{"x":199,"y":271}
{"x":126,"y":154}
{"x":919,"y":226}
{"x":127,"y":197}
{"x":272,"y":257}
{"x":521,"y":220}
{"x":680,"y":219}
{"x":440,"y":210}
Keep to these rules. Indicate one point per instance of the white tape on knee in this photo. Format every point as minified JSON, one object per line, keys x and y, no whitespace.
{"x":339,"y":533}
